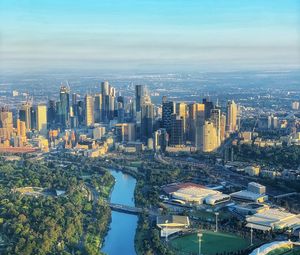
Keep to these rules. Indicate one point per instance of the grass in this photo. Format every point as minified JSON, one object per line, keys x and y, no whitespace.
{"x":212,"y":243}
{"x":285,"y":251}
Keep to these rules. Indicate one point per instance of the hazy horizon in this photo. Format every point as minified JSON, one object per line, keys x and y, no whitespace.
{"x":152,"y":35}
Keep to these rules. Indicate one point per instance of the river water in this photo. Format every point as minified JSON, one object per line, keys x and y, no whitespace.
{"x":120,"y":237}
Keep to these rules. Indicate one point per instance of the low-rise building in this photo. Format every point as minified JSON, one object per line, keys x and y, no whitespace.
{"x":171,"y":224}
{"x":273,"y":219}
{"x":254,"y":193}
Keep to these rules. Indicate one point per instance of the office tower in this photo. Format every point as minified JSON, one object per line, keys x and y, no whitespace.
{"x":120,"y":109}
{"x":223,"y":127}
{"x":181,"y":110}
{"x":177,"y":135}
{"x":160,"y":138}
{"x":215,"y":118}
{"x":33,"y":118}
{"x":25,"y":114}
{"x":89,"y":110}
{"x":209,"y":137}
{"x":41,"y":119}
{"x":193,"y":110}
{"x":81,"y":112}
{"x":139,"y":97}
{"x":51,"y":112}
{"x":74,"y":98}
{"x":22,"y":129}
{"x":6,"y":124}
{"x":168,"y":109}
{"x":125,"y":132}
{"x":98,"y":108}
{"x":64,"y":108}
{"x":108,"y":101}
{"x":6,"y":118}
{"x":198,"y":119}
{"x":208,"y":107}
{"x":147,"y":119}
{"x":231,"y":117}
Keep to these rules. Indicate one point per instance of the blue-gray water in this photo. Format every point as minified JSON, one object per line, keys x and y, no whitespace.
{"x":120,"y":238}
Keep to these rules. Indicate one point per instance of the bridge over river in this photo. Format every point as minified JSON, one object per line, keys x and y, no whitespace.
{"x":125,"y":208}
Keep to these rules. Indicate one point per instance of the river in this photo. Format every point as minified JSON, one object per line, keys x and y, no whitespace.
{"x":120,"y":237}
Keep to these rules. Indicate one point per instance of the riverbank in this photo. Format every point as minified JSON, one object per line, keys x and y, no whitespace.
{"x":98,"y":229}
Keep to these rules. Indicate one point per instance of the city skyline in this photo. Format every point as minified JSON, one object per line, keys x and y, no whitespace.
{"x":149,"y":35}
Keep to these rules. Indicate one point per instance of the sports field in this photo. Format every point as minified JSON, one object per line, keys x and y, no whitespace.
{"x":212,"y":243}
{"x":295,"y":251}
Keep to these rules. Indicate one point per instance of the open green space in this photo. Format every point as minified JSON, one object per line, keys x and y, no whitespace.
{"x":212,"y":243}
{"x":285,"y":251}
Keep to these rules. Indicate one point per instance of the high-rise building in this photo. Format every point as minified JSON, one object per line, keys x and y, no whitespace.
{"x":120,"y":109}
{"x":64,"y":108}
{"x":125,"y":132}
{"x":108,"y":101}
{"x":41,"y":119}
{"x":198,"y":122}
{"x":33,"y":118}
{"x":51,"y":112}
{"x":177,"y":134}
{"x":160,"y":138}
{"x":215,"y":117}
{"x":208,"y":107}
{"x":25,"y":114}
{"x":223,"y":127}
{"x":182,"y":110}
{"x":6,"y":119}
{"x":147,"y":119}
{"x":168,"y":109}
{"x":231,"y":117}
{"x":89,"y":110}
{"x":139,"y":97}
{"x":98,"y":108}
{"x":210,"y":142}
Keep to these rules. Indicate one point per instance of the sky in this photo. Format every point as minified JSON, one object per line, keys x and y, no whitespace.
{"x":149,"y":35}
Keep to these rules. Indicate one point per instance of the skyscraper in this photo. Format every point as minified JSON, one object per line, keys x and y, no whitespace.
{"x":177,"y":134}
{"x":51,"y":112}
{"x":181,"y":110}
{"x":223,"y":127}
{"x":89,"y":110}
{"x":168,"y":109}
{"x":215,"y":117}
{"x":208,"y":107}
{"x":98,"y":108}
{"x":108,"y":101}
{"x":147,"y":119}
{"x":209,"y":137}
{"x":64,"y":108}
{"x":125,"y":132}
{"x":139,"y":97}
{"x":160,"y":138}
{"x":41,"y":119}
{"x":197,"y":124}
{"x":231,"y":117}
{"x":25,"y":114}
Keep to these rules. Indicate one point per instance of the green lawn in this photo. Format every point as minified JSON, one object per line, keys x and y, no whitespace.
{"x":285,"y":251}
{"x":212,"y":243}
